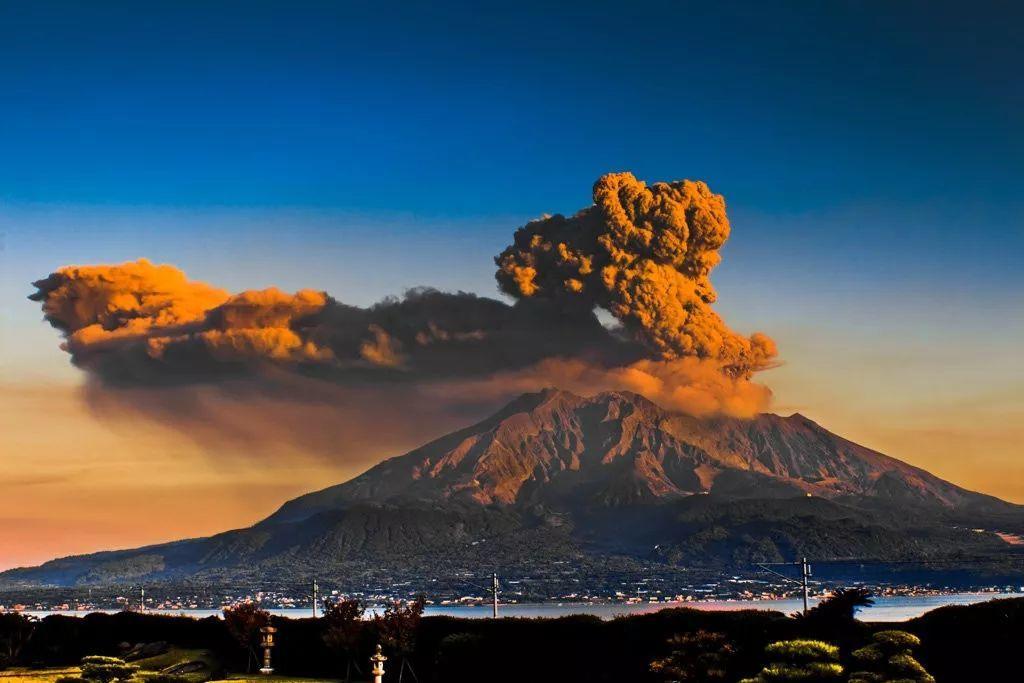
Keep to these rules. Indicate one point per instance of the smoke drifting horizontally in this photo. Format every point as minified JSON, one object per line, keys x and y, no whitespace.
{"x":156,"y":343}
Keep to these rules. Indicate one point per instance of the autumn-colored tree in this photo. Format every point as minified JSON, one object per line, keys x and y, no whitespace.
{"x":15,"y":630}
{"x":398,"y":627}
{"x":803,"y":661}
{"x":343,"y":621}
{"x":889,"y":658}
{"x":695,"y":658}
{"x":244,"y":622}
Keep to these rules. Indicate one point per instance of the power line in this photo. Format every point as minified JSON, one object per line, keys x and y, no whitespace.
{"x":493,"y":589}
{"x":805,"y":574}
{"x":805,"y":567}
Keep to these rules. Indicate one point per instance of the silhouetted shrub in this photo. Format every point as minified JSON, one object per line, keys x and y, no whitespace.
{"x":244,"y":622}
{"x":397,"y":629}
{"x":15,"y":631}
{"x":696,"y":657}
{"x":838,"y":608}
{"x":460,"y":657}
{"x":343,"y":631}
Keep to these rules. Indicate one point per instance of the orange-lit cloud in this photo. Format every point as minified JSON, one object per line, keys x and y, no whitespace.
{"x":265,"y":366}
{"x":96,"y":305}
{"x":138,"y":310}
{"x":645,"y":254}
{"x":690,"y":385}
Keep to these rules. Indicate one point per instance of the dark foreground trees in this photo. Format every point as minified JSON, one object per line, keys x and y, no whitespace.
{"x":244,"y":622}
{"x":839,"y":608}
{"x":343,"y":632}
{"x":397,"y":629}
{"x":697,"y":657}
{"x":574,"y":648}
{"x":15,"y":631}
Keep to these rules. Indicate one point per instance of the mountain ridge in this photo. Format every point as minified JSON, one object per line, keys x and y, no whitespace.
{"x":819,"y":462}
{"x":593,"y":482}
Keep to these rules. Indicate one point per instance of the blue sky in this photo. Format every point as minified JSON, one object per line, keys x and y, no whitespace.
{"x":878,"y":140}
{"x":871,"y":155}
{"x":878,"y":147}
{"x":460,"y":110}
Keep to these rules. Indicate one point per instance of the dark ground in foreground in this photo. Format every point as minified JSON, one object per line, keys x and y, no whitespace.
{"x":959,"y":643}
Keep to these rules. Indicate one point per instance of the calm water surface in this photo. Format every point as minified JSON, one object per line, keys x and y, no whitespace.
{"x":896,"y":608}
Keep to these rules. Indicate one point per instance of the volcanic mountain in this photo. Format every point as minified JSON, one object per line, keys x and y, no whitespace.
{"x":596,"y":483}
{"x":615,"y":449}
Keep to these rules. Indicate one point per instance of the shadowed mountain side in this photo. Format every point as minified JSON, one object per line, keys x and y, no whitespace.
{"x":599,"y":482}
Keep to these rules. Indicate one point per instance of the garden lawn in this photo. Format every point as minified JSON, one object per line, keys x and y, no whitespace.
{"x":23,"y":675}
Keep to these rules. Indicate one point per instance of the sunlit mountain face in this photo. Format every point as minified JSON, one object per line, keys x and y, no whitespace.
{"x":605,"y":481}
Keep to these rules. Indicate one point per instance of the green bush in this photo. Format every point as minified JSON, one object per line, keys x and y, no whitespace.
{"x":889,"y":658}
{"x":803,"y":661}
{"x":107,"y":669}
{"x":796,"y":651}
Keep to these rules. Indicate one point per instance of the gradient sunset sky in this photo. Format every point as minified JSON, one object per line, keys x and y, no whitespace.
{"x":871,"y":155}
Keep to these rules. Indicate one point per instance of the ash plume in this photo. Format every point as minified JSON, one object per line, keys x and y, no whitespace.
{"x":266,"y":367}
{"x":645,"y":254}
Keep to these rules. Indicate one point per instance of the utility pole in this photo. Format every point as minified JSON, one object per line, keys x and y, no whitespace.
{"x":142,"y":599}
{"x":805,"y":571}
{"x":805,"y":575}
{"x":494,"y":595}
{"x":315,"y":587}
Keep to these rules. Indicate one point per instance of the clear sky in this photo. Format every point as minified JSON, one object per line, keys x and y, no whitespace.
{"x":871,"y":154}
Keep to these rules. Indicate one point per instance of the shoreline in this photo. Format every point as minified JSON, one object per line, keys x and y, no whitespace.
{"x":886,"y":607}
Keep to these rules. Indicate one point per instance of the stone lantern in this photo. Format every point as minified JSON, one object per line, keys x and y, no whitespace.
{"x":377,"y":665}
{"x":267,"y":642}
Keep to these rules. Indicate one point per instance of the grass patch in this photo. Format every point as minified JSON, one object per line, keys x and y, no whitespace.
{"x":25,"y":675}
{"x":151,"y":666}
{"x":175,"y":656}
{"x":247,"y":678}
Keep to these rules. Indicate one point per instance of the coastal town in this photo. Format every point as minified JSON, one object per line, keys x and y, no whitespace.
{"x":299,"y":600}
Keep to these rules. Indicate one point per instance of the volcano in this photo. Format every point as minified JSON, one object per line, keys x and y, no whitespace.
{"x":593,"y":483}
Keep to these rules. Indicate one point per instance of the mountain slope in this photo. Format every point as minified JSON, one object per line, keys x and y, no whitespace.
{"x":617,"y":448}
{"x":595,"y":483}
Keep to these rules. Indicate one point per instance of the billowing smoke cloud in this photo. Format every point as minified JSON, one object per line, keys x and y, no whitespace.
{"x":265,"y":367}
{"x":141,"y":323}
{"x":645,"y":254}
